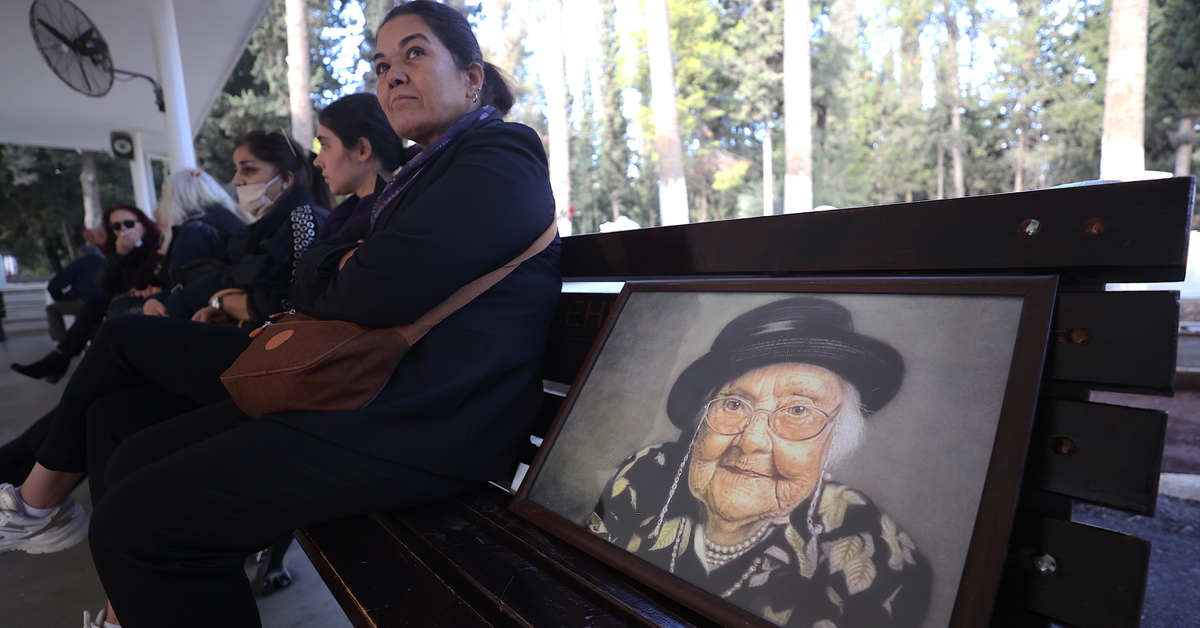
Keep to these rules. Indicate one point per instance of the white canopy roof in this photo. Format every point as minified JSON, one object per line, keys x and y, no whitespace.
{"x":39,"y":109}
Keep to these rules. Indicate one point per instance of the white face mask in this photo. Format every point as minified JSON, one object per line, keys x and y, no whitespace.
{"x":253,"y":196}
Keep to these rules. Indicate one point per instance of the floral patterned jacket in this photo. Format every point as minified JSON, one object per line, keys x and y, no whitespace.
{"x":861,"y":570}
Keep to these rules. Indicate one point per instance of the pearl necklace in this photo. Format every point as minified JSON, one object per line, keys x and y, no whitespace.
{"x":718,"y":555}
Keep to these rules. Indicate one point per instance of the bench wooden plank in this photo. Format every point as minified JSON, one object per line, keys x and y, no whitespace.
{"x":378,"y":581}
{"x":497,"y":561}
{"x":1107,"y":454}
{"x":1131,"y":232}
{"x":1099,"y":577}
{"x":1121,"y":341}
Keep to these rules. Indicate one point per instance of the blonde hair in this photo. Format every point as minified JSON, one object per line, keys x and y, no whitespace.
{"x":188,"y":193}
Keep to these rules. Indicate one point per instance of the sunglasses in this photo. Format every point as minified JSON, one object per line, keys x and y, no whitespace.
{"x":286,"y":140}
{"x":129,"y":224}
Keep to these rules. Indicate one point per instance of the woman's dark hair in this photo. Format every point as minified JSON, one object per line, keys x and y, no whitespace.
{"x":287,"y":155}
{"x":360,"y":116}
{"x":151,"y":236}
{"x":454,"y":30}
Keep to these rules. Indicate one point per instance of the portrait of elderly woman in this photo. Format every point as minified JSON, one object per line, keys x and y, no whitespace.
{"x":743,"y":503}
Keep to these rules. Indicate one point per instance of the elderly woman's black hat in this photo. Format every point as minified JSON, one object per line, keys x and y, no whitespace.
{"x":805,"y":330}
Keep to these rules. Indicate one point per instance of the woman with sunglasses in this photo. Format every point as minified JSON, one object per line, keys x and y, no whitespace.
{"x":130,"y":261}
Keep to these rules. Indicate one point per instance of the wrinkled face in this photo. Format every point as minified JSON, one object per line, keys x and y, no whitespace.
{"x":755,"y":474}
{"x":420,"y":88}
{"x":341,"y":165}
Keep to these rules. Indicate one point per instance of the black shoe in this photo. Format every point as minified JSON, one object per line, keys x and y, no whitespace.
{"x":50,"y":368}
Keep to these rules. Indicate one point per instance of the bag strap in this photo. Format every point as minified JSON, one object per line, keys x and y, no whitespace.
{"x":414,"y":332}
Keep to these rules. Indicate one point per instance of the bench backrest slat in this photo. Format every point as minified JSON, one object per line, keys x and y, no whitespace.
{"x":1110,"y":455}
{"x":1127,"y":232}
{"x":1100,"y":578}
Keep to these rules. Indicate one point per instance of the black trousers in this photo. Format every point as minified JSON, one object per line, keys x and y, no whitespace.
{"x":139,"y":371}
{"x":191,"y":497}
{"x":87,"y":319}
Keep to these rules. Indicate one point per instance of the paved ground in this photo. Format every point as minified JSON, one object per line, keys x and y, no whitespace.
{"x":52,"y":590}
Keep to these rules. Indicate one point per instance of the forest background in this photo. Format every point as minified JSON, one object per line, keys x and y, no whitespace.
{"x":1025,"y":77}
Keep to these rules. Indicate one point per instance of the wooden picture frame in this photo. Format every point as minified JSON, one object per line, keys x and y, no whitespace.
{"x":924,"y":502}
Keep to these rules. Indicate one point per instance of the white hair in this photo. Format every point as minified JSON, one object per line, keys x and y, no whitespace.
{"x":849,"y":426}
{"x":188,"y":193}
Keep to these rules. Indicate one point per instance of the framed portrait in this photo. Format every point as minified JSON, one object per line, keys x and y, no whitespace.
{"x":815,"y":452}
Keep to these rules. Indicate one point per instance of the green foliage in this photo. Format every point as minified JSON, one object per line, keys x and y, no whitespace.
{"x":256,"y":94}
{"x":42,"y":201}
{"x":1172,"y":79}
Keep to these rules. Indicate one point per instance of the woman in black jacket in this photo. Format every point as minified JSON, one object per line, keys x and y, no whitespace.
{"x":183,"y":359}
{"x":130,"y":260}
{"x":276,"y":184}
{"x":190,"y":497}
{"x":199,"y":219}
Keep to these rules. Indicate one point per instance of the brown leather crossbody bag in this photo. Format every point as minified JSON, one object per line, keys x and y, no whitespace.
{"x":299,"y":363}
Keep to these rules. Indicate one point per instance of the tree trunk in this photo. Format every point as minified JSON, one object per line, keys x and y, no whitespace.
{"x":92,"y":212}
{"x":797,"y":107}
{"x":1019,"y":179}
{"x":768,"y":150}
{"x":1122,"y":154}
{"x":299,"y":72}
{"x":672,"y":189}
{"x":955,"y":96}
{"x":1183,"y":152}
{"x":555,"y":83}
{"x":941,"y":172}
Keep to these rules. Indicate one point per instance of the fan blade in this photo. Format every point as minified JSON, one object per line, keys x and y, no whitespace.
{"x":54,"y":31}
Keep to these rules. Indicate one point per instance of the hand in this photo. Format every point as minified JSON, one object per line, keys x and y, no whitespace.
{"x":347,"y":256}
{"x":154,"y":307}
{"x":129,"y":238}
{"x":145,"y":293}
{"x":209,"y":315}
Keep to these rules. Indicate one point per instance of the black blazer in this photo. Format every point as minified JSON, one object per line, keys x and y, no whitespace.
{"x":463,"y":400}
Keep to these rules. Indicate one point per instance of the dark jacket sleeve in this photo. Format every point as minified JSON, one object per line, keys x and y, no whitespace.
{"x":115,"y":276}
{"x":63,"y":279}
{"x":196,"y":240}
{"x":478,"y":215}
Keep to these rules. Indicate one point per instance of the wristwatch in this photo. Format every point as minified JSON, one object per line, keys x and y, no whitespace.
{"x":215,"y":301}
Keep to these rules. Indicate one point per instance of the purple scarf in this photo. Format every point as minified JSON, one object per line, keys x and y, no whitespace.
{"x":415,"y":165}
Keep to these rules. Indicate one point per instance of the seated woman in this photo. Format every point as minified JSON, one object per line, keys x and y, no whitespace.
{"x":353,"y":121}
{"x":198,"y":219}
{"x":359,"y":153}
{"x":130,"y":259}
{"x":455,"y":411}
{"x":276,"y":185}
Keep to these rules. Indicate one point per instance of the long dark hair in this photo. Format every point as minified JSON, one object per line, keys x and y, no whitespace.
{"x":360,"y":116}
{"x":287,"y":155}
{"x":150,"y":237}
{"x":454,"y":30}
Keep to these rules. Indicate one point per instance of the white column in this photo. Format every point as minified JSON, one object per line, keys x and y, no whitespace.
{"x":143,"y":179}
{"x":797,"y":107}
{"x":170,"y":75}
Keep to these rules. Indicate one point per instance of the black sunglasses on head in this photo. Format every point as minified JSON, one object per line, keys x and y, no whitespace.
{"x":116,"y":226}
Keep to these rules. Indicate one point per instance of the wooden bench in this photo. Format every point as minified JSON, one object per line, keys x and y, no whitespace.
{"x":470,"y":562}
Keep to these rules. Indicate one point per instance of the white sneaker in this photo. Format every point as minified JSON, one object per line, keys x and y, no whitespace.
{"x":65,"y":527}
{"x":98,"y":622}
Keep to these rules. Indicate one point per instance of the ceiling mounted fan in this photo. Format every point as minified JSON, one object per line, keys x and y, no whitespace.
{"x":73,"y":47}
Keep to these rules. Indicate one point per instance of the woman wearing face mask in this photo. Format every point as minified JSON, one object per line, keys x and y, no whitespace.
{"x":130,"y":259}
{"x":276,"y":185}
